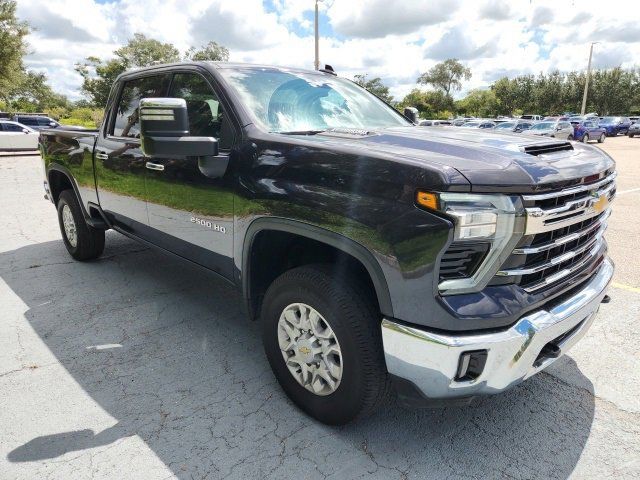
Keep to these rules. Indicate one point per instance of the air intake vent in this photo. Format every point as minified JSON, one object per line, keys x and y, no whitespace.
{"x":548,"y":148}
{"x":460,"y":261}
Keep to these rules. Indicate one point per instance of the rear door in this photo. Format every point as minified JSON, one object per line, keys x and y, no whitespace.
{"x":119,"y":163}
{"x":192,"y":214}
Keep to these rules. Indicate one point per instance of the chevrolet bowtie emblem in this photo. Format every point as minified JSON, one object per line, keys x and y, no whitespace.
{"x":304,"y":350}
{"x":600,"y":202}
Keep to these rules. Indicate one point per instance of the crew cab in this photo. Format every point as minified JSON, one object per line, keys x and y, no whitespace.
{"x":377,"y":255}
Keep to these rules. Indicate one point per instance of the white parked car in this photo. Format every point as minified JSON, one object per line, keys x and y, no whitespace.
{"x":17,"y":137}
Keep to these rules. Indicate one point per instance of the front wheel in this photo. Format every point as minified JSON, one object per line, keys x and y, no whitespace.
{"x":585,"y":139}
{"x":321,"y":334}
{"x":570,"y":137}
{"x":83,"y":242}
{"x":601,"y":138}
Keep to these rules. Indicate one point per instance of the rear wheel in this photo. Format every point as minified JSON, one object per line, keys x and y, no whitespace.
{"x":585,"y":139}
{"x":601,"y":138}
{"x":83,"y":242}
{"x":321,"y":334}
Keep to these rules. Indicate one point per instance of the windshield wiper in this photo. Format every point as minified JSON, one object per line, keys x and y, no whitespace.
{"x":302,"y":132}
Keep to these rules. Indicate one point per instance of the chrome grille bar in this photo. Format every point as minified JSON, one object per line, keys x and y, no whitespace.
{"x":572,"y":190}
{"x":594,"y":202}
{"x":600,"y":224}
{"x":597,"y":240}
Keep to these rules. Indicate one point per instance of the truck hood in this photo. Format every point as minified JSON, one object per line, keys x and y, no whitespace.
{"x":490,"y":161}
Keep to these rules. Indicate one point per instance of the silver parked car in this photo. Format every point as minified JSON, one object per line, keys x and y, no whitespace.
{"x":561,"y":129}
{"x":634,"y":130}
{"x":17,"y":137}
{"x":515,"y":125}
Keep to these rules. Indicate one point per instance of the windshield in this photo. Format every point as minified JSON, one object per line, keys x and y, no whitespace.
{"x":610,"y":119}
{"x":543,"y":126}
{"x":471,"y":124}
{"x":294,"y":101}
{"x":506,"y":125}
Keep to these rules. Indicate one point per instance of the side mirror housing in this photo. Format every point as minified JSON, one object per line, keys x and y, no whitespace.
{"x":411,"y":113}
{"x":24,"y":130}
{"x":164,"y":130}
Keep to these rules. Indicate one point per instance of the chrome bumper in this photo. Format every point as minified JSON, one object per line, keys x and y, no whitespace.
{"x":430,"y":360}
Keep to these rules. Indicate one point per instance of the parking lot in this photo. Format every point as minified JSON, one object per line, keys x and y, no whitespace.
{"x":142,"y":366}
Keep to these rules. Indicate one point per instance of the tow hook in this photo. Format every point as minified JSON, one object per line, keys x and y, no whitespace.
{"x":605,"y":299}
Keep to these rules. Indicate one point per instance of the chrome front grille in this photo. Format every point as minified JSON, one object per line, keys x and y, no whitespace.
{"x":563,"y":234}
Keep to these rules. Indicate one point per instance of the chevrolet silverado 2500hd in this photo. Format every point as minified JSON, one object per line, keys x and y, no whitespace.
{"x":378,"y":256}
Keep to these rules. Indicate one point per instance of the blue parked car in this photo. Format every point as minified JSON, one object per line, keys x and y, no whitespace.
{"x":615,"y":125}
{"x":585,"y":130}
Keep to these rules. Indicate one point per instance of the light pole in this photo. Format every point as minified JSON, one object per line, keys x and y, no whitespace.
{"x":316,"y":62}
{"x":586,"y":82}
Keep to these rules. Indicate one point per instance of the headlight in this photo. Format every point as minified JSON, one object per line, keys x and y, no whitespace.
{"x":492,"y":219}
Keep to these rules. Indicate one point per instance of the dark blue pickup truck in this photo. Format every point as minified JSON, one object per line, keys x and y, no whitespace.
{"x":378,"y":256}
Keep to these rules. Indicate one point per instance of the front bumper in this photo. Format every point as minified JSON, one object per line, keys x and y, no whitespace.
{"x":430,"y":361}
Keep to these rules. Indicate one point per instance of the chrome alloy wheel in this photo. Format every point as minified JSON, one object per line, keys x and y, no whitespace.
{"x":310,"y":349}
{"x":69,"y":226}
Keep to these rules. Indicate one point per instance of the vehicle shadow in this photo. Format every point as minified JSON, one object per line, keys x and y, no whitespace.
{"x":165,"y":348}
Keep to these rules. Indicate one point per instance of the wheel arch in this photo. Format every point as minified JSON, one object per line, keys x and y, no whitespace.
{"x":331,"y":241}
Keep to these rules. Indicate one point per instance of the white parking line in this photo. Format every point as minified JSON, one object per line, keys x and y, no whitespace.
{"x":628,"y":191}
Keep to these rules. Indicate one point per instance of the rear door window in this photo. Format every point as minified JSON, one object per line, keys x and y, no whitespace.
{"x":12,"y":127}
{"x":126,"y":122}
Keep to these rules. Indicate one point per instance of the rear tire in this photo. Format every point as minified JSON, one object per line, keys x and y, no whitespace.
{"x":83,"y":242}
{"x":352,"y":318}
{"x":601,"y":138}
{"x":585,"y":139}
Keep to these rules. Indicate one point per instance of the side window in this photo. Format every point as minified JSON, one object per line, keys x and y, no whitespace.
{"x":207,"y":118}
{"x":28,"y":121}
{"x":126,"y":122}
{"x":12,"y":127}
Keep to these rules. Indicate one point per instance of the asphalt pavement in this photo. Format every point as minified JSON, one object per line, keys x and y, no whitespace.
{"x":139,"y":365}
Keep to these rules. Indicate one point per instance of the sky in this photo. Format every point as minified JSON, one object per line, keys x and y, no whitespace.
{"x":395,"y":40}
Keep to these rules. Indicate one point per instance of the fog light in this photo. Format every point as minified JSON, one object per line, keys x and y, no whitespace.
{"x":471,"y":365}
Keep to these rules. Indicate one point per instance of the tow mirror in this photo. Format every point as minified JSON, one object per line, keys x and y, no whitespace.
{"x":24,"y":130}
{"x":164,"y":130}
{"x":411,"y":113}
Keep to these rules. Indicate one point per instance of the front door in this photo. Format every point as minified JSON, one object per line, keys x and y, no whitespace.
{"x":191,"y":214}
{"x":119,"y":162}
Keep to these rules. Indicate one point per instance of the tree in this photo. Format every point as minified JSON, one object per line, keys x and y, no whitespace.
{"x":446,"y":76}
{"x":430,"y":104}
{"x":12,"y":47}
{"x":374,"y":86}
{"x":211,"y":51}
{"x":98,"y":75}
{"x":479,"y":103}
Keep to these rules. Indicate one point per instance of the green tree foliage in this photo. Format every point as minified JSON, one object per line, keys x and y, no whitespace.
{"x":12,"y":47}
{"x":374,"y":86}
{"x":98,"y":75}
{"x":430,"y":104}
{"x":211,"y":51}
{"x":478,"y":103}
{"x":446,"y":76}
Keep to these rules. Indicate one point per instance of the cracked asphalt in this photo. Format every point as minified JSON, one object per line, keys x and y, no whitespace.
{"x":141,"y":366}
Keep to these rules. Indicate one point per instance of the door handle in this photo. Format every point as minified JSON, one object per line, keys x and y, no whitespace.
{"x":102,"y":156}
{"x":154,"y":166}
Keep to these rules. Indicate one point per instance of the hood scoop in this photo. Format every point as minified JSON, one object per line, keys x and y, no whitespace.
{"x":548,"y":148}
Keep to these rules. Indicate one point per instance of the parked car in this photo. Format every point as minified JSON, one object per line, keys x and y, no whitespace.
{"x":634,"y":130}
{"x":615,"y":125}
{"x":515,"y":125}
{"x":586,"y":130}
{"x":558,"y":129}
{"x":36,"y":122}
{"x":479,"y":124}
{"x":634,"y":119}
{"x":410,"y":280}
{"x":433,"y":123}
{"x":17,"y":137}
{"x":535,"y":118}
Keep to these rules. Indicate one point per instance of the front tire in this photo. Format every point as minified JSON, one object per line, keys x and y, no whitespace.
{"x":83,"y":242}
{"x":601,"y":138}
{"x":321,"y":334}
{"x":570,"y":137}
{"x":585,"y":139}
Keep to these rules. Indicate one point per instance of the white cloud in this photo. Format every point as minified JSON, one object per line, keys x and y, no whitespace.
{"x":393,"y":39}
